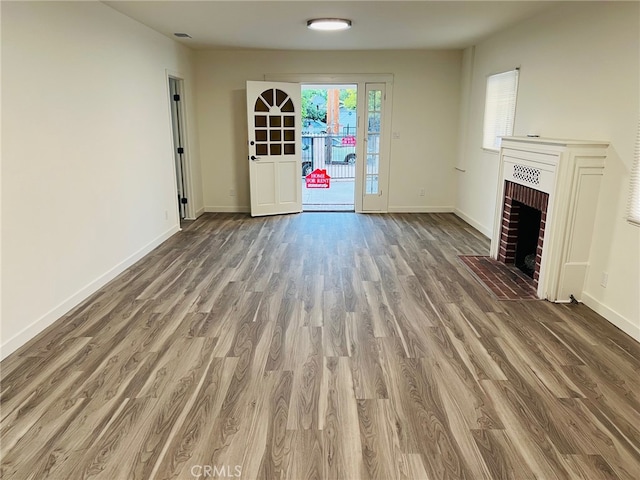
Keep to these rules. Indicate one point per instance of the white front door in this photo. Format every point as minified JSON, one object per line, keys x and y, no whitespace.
{"x":376,"y":172}
{"x":275,"y":167}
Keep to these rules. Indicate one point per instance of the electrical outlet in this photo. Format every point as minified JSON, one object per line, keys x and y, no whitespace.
{"x":232,"y":192}
{"x":396,"y":135}
{"x":422,"y":192}
{"x":166,"y":214}
{"x":604,"y":280}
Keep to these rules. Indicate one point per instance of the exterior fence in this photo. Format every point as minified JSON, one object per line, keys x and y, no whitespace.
{"x":334,"y":153}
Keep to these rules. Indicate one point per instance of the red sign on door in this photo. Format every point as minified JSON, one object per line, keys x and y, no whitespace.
{"x":349,"y":141}
{"x":318,"y":179}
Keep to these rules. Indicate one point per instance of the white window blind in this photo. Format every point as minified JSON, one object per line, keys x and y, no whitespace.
{"x":500,"y":108}
{"x":634,"y":187}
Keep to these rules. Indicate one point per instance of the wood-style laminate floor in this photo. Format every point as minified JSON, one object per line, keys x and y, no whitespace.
{"x":328,"y":346}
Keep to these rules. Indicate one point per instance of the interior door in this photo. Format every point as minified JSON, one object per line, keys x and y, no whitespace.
{"x":376,"y":171}
{"x":176,"y":125}
{"x":275,"y":167}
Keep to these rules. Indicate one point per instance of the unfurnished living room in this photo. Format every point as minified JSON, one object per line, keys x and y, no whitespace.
{"x":172,"y":309}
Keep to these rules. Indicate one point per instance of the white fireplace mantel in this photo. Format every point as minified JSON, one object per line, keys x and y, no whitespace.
{"x":569,"y":171}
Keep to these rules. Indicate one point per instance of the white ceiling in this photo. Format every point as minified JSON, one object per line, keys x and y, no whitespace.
{"x":377,"y":25}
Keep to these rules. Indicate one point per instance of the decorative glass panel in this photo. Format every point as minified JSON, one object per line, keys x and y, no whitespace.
{"x":373,"y":164}
{"x":374,"y":106}
{"x":280,"y":97}
{"x":373,"y":143}
{"x":374,"y":122}
{"x":375,"y":100}
{"x":268,"y":96}
{"x":287,"y":107}
{"x":275,"y":120}
{"x":270,"y":134}
{"x":261,"y":106}
{"x":261,"y":135}
{"x":371,"y":186}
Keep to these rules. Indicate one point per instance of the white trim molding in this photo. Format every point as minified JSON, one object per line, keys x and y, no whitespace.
{"x":32,"y":330}
{"x":339,"y":78}
{"x":415,"y":209}
{"x":624,"y":324}
{"x":486,"y":231}
{"x":228,"y":209}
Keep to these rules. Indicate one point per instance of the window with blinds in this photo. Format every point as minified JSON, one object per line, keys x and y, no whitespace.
{"x":634,"y":187}
{"x":500,"y":108}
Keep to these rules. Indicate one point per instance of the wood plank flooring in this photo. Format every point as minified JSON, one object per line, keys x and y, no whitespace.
{"x":320,"y":346}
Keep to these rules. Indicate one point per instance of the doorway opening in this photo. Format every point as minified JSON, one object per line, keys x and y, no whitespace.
{"x":179,"y":152}
{"x":329,"y":142}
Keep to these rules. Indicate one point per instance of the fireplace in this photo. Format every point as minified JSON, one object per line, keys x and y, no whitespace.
{"x":523,"y":225}
{"x":530,"y":235}
{"x":545,"y":211}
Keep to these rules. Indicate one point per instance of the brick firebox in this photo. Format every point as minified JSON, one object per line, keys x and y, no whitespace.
{"x":514,"y":193}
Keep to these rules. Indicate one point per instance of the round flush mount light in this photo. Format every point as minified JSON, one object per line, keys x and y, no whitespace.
{"x":328,"y":24}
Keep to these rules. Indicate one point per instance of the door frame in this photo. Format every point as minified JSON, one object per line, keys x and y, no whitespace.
{"x":190,"y":213}
{"x":359,"y":79}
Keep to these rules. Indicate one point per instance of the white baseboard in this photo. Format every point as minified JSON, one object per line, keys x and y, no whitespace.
{"x":414,"y":209}
{"x":395,"y":209}
{"x":624,"y":324}
{"x":228,"y":209}
{"x":199,"y":212}
{"x":54,"y":314}
{"x":487,"y":232}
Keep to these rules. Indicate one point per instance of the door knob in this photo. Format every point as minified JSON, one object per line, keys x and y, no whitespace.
{"x":254,"y":158}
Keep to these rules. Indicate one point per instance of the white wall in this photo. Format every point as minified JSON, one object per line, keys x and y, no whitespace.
{"x":579,"y":79}
{"x":425,"y":113}
{"x":87,"y":168}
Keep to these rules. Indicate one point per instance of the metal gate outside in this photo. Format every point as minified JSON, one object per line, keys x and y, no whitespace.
{"x":334,"y":153}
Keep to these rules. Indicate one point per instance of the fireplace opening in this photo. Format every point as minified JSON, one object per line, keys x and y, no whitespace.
{"x":524,"y":219}
{"x":527,"y":240}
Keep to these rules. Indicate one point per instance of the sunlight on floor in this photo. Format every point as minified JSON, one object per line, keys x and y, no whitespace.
{"x":338,"y":197}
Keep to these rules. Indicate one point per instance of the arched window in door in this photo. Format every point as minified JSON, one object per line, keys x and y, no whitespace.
{"x":274,"y":121}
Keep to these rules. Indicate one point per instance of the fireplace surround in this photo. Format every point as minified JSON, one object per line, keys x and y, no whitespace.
{"x":560,"y":179}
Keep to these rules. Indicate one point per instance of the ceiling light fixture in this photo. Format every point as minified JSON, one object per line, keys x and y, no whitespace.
{"x":328,"y":24}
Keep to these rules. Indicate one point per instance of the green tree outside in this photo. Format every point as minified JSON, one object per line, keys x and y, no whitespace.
{"x":314,"y":110}
{"x":349,"y":98}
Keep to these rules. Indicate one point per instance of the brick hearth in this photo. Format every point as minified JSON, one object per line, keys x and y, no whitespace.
{"x":506,"y":282}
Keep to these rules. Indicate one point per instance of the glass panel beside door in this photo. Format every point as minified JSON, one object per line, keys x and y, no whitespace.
{"x":374,"y":110}
{"x":375,"y":99}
